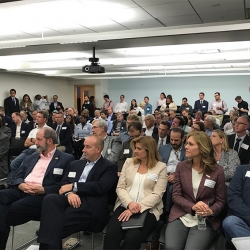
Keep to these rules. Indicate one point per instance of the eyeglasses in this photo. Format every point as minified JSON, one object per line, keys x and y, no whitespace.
{"x":240,"y":123}
{"x":196,"y":129}
{"x":94,"y":127}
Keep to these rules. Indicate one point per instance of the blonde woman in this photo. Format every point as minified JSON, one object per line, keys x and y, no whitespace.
{"x":141,"y":186}
{"x":198,"y":191}
{"x":226,"y":157}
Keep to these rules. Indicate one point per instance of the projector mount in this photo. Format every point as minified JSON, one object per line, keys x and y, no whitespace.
{"x":94,"y":61}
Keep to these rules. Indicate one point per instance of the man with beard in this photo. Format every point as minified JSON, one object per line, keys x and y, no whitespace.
{"x":40,"y":174}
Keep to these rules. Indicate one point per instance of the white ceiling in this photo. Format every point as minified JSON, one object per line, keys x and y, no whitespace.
{"x":139,"y":38}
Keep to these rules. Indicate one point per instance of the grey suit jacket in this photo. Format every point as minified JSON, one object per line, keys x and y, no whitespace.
{"x":165,"y":151}
{"x":112,"y":148}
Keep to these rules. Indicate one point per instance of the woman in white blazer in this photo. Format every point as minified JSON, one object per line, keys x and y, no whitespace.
{"x":141,"y":186}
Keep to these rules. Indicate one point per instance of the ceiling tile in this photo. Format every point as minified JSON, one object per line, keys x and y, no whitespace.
{"x":19,"y":35}
{"x":222,"y":16}
{"x":44,"y":32}
{"x":142,"y":24}
{"x":131,"y":14}
{"x":155,"y":2}
{"x":180,"y":20}
{"x":107,"y":28}
{"x":171,"y":9}
{"x":70,"y":29}
{"x":217,"y":5}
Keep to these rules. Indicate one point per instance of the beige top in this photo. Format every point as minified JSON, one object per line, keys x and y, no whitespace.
{"x":154,"y":187}
{"x":172,"y":106}
{"x":188,"y":219}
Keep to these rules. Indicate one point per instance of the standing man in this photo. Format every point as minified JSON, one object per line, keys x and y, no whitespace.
{"x":186,"y":106}
{"x":218,"y":105}
{"x":55,"y":105}
{"x":240,"y":141}
{"x":148,"y":107}
{"x":40,"y":174}
{"x":242,"y":107}
{"x":121,"y":106}
{"x":201,"y":105}
{"x":83,"y":200}
{"x":40,"y":102}
{"x":11,"y":103}
{"x":107,"y":103}
{"x":89,"y":106}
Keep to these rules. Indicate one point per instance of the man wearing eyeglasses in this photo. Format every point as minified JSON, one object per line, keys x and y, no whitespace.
{"x":218,"y":105}
{"x":240,"y":141}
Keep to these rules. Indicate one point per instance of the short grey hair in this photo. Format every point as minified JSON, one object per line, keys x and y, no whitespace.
{"x":211,"y":119}
{"x":150,"y":116}
{"x":101,"y":123}
{"x":50,"y":133}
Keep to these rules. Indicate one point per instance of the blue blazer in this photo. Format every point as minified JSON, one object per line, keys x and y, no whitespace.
{"x":165,"y":151}
{"x":24,"y":132}
{"x":65,"y":136}
{"x":52,"y":180}
{"x":203,"y":108}
{"x":238,"y":194}
{"x":96,"y":190}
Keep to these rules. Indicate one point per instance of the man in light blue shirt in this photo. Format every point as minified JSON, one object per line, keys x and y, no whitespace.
{"x":104,"y":116}
{"x":148,"y":106}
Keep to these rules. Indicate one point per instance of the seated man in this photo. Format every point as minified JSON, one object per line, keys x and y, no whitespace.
{"x":63,"y":133}
{"x":19,"y":129}
{"x":150,"y":129}
{"x":210,"y":123}
{"x":134,"y":131}
{"x":39,"y":175}
{"x":83,"y":200}
{"x":112,"y":144}
{"x":237,"y":224}
{"x":119,"y":125}
{"x":104,"y":116}
{"x":163,"y":137}
{"x":24,"y":117}
{"x":4,"y":150}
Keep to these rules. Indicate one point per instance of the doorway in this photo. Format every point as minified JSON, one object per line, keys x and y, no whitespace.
{"x":80,"y":92}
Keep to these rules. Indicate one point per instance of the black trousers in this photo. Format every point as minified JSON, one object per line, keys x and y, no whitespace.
{"x":59,"y":219}
{"x":17,"y":208}
{"x":78,"y":147}
{"x":132,"y":237}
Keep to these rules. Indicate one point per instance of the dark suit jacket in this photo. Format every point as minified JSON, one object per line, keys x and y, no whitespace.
{"x":238,"y":194}
{"x":52,"y":107}
{"x":156,"y":137}
{"x":123,"y":126}
{"x":24,"y":132}
{"x":90,"y":107}
{"x":155,"y":130}
{"x":244,"y":154}
{"x":165,"y":151}
{"x":51,"y":181}
{"x":10,"y":107}
{"x":203,"y":108}
{"x":4,"y":150}
{"x":65,"y":136}
{"x":101,"y":179}
{"x":183,"y":195}
{"x":8,"y":121}
{"x":126,"y":153}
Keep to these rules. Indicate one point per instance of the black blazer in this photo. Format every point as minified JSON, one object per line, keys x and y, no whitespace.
{"x":198,"y":107}
{"x":155,"y":130}
{"x":156,"y":137}
{"x":10,"y":107}
{"x":65,"y":136}
{"x":126,"y":153}
{"x":52,"y":107}
{"x":244,"y":154}
{"x":90,"y":107}
{"x":123,"y":126}
{"x":95,"y":191}
{"x":8,"y":121}
{"x":24,"y":132}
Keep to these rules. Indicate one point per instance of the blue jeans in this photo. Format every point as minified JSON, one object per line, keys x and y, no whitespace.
{"x":235,"y":227}
{"x":17,"y":162}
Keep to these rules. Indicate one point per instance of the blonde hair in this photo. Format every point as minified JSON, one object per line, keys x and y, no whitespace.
{"x":222,"y":135}
{"x":207,"y":151}
{"x":149,"y":144}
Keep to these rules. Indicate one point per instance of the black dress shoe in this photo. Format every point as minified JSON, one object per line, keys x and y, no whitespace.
{"x":47,"y":247}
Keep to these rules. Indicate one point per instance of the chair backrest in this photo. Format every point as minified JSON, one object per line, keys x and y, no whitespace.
{"x":16,"y":147}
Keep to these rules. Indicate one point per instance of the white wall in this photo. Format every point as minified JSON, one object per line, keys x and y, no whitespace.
{"x":179,"y":87}
{"x":33,"y":85}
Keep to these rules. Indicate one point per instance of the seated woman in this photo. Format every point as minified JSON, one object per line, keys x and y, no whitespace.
{"x":226,"y":157}
{"x":198,"y":191}
{"x":141,"y":186}
{"x":70,"y":120}
{"x":198,"y":126}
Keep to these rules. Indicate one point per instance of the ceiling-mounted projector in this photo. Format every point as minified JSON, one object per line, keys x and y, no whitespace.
{"x":94,"y":67}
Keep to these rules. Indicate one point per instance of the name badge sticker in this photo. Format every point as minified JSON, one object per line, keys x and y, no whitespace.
{"x":247,"y":174}
{"x":203,"y":106}
{"x":109,"y":151}
{"x":64,"y":127}
{"x":72,"y":174}
{"x":23,"y":132}
{"x":209,"y":183}
{"x":245,"y":146}
{"x":126,"y":151}
{"x":58,"y":171}
{"x":152,"y":177}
